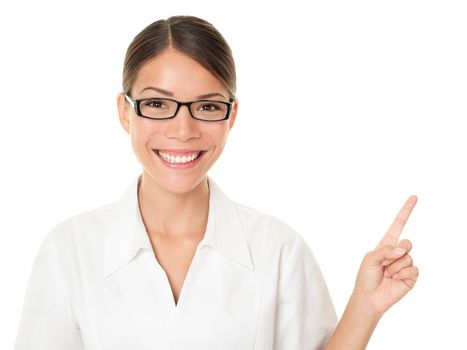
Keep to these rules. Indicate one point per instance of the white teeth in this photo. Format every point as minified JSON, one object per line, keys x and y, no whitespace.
{"x":177,"y":159}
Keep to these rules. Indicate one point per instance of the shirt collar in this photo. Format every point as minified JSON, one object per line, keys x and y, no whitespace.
{"x":125,"y":233}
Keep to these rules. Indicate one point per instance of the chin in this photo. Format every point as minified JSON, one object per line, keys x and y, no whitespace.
{"x":178,"y":184}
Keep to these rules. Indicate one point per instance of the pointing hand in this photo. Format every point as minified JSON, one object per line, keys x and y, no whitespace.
{"x":387,"y":273}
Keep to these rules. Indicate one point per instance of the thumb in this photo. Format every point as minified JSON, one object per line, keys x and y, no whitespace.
{"x":387,"y":252}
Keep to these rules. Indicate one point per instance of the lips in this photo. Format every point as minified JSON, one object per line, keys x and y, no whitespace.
{"x":179,"y":157}
{"x":178,"y":152}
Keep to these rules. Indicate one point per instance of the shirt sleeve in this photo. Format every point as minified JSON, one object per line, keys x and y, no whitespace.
{"x":305,"y":315}
{"x":46,"y":320}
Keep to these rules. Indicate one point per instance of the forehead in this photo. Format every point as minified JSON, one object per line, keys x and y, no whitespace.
{"x":176,"y":72}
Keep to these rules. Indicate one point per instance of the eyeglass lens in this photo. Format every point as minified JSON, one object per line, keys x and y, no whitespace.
{"x":163,"y":108}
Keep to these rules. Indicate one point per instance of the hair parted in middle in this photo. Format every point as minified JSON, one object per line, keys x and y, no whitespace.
{"x":193,"y":36}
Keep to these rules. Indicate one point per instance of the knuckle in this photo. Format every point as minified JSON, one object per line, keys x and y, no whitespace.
{"x":409,"y":244}
{"x":368,"y":256}
{"x":388,"y":248}
{"x":406,"y":244}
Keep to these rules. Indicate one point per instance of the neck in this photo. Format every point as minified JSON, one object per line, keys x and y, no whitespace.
{"x":172,"y":214}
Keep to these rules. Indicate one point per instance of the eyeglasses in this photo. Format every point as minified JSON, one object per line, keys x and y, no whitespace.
{"x":166,"y":108}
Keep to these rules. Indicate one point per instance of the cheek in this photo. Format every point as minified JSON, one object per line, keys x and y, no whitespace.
{"x":220,"y":133}
{"x":219,"y":136}
{"x":142,"y":131}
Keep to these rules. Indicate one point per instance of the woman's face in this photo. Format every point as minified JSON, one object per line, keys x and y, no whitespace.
{"x":182,"y":79}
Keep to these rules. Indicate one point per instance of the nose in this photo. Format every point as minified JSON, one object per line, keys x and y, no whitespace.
{"x":182,"y":127}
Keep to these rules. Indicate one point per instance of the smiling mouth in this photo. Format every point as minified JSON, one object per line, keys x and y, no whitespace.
{"x":179,"y":158}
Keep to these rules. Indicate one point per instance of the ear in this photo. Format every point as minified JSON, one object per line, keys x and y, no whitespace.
{"x":124,"y":110}
{"x":233,"y":114}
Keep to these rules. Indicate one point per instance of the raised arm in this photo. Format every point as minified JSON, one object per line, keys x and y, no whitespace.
{"x":386,"y":274}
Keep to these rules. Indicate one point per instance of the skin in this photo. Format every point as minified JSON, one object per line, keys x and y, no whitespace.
{"x":385,"y":276}
{"x":175,"y":198}
{"x":174,"y":202}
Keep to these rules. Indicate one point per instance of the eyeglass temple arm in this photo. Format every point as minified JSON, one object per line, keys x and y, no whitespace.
{"x":129,"y":99}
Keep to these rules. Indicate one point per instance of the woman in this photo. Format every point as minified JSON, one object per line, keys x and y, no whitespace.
{"x":175,"y":263}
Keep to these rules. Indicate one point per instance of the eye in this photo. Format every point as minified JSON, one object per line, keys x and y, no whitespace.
{"x":154,"y":103}
{"x":209,"y":107}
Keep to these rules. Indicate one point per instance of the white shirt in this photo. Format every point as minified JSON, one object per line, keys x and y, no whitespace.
{"x":253,"y":284}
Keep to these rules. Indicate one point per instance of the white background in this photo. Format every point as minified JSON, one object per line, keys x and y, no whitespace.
{"x":346,"y":108}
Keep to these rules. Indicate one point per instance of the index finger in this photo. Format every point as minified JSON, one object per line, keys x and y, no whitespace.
{"x":392,"y":235}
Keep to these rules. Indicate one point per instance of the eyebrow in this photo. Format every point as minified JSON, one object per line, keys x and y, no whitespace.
{"x":171,"y":94}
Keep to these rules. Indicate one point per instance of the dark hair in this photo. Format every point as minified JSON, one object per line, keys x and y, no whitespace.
{"x":190,"y":35}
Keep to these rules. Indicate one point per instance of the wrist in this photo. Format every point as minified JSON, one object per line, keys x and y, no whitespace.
{"x":355,"y":326}
{"x":360,"y":305}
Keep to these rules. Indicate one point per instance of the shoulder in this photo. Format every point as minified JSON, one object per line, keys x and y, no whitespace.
{"x":272,"y":231}
{"x":81,"y":228}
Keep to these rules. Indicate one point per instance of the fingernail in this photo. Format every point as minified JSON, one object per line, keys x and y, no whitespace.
{"x":385,"y":262}
{"x":399,"y":251}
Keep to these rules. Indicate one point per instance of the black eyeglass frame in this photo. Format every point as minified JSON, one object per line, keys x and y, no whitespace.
{"x":136,"y":105}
